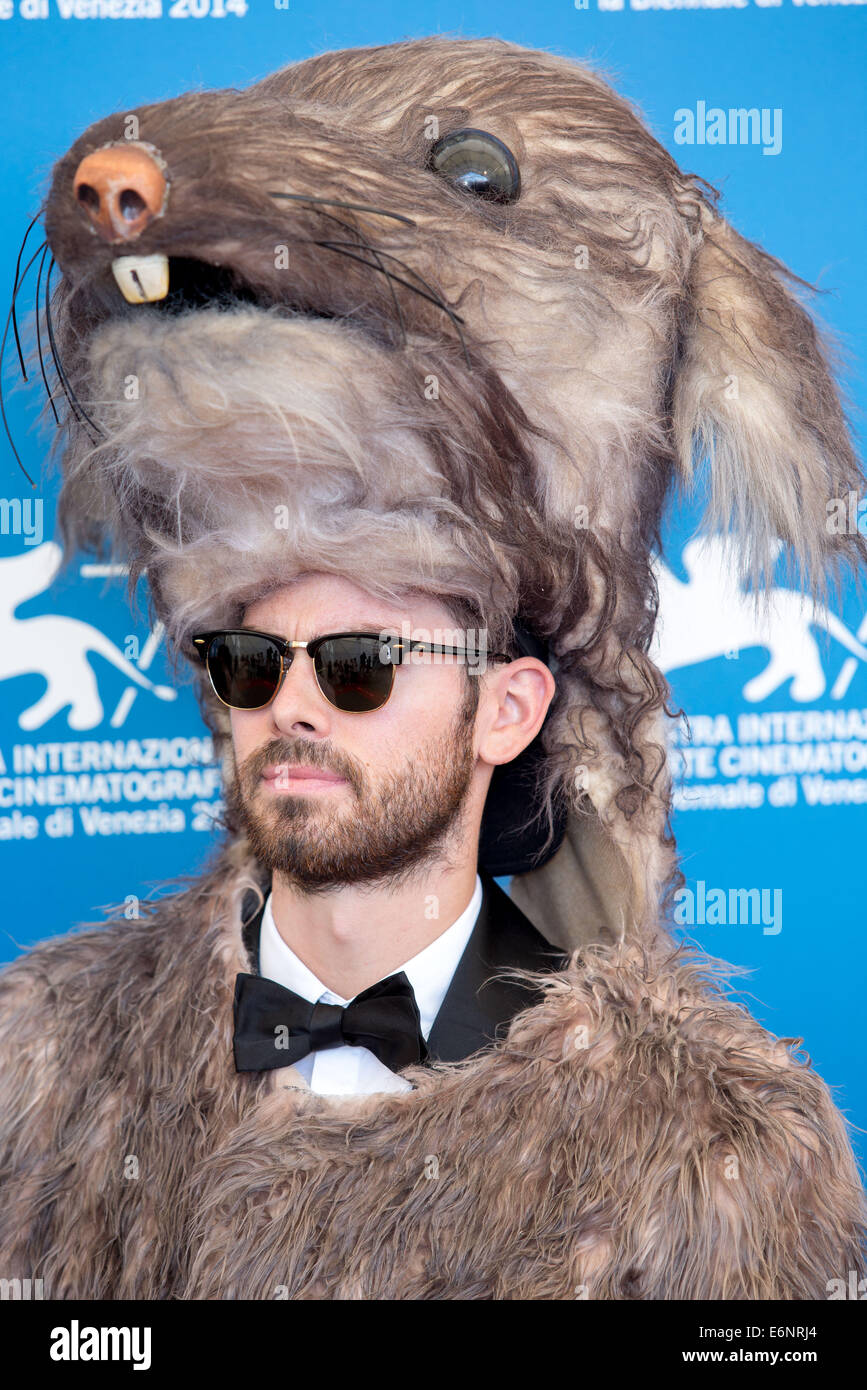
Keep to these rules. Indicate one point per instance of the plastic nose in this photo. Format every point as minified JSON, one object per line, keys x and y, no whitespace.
{"x":122,"y":189}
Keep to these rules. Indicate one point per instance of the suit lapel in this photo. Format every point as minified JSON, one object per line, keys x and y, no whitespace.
{"x":250,"y":927}
{"x":476,"y":1009}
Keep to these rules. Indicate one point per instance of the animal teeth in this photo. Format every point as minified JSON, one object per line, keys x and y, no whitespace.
{"x":142,"y":279}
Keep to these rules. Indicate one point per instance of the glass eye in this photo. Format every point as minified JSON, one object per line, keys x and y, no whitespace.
{"x":479,"y":163}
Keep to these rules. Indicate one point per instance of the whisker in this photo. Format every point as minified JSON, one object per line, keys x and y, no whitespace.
{"x":10,"y":319}
{"x":378,"y":254}
{"x":15,"y":287}
{"x":74,"y":403}
{"x":436,"y":299}
{"x":55,"y":356}
{"x":432,"y":294}
{"x":432,"y":298}
{"x":11,"y":314}
{"x":456,"y":318}
{"x":341,"y":203}
{"x":48,"y":391}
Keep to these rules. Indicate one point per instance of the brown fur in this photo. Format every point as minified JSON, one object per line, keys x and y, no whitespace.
{"x":676,"y":1151}
{"x":561,"y":387}
{"x":679,"y":1151}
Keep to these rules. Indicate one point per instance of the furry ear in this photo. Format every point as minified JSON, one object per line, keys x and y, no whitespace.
{"x":755,"y":395}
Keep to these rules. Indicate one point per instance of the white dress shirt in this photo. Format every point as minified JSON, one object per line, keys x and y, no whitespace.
{"x":344,"y":1071}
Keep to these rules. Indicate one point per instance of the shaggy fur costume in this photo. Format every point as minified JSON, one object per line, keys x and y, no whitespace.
{"x":637,"y":1135}
{"x":488,"y":401}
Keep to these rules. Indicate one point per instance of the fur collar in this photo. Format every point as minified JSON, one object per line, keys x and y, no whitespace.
{"x":636,"y":1134}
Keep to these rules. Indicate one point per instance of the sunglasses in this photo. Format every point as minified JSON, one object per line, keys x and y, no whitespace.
{"x":354,"y":670}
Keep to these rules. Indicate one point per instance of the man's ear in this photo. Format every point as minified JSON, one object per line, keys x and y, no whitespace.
{"x":524,"y":690}
{"x":754,"y":393}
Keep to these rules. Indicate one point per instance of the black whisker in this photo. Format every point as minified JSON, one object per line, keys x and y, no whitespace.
{"x":456,"y":319}
{"x":74,"y":403}
{"x":430,"y":293}
{"x":48,"y":391}
{"x":363,"y":241}
{"x":15,"y":287}
{"x":432,"y":298}
{"x":10,"y":319}
{"x":341,"y":203}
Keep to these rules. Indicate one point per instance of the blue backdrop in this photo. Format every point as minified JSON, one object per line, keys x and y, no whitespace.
{"x":773,"y":797}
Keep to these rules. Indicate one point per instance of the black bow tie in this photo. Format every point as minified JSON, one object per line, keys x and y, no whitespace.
{"x":275,"y":1027}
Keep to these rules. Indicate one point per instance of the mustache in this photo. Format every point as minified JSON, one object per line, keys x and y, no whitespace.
{"x":290,"y":751}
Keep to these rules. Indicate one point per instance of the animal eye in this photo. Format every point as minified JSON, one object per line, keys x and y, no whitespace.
{"x":479,"y":163}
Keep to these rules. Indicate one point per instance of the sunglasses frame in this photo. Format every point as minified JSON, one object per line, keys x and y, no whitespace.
{"x":286,"y":647}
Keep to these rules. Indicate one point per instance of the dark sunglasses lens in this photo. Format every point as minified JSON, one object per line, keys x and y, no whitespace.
{"x":351,"y":675}
{"x":244,"y":669}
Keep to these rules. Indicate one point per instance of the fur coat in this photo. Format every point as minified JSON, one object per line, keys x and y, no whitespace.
{"x":636,"y":1135}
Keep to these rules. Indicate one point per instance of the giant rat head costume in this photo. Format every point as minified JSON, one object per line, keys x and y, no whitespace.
{"x":440,"y":314}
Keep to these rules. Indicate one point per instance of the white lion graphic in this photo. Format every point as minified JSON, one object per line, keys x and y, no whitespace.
{"x":55,"y":647}
{"x":710,"y":615}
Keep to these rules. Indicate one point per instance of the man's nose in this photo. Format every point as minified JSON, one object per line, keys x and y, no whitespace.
{"x":121,"y":189}
{"x":299,"y":705}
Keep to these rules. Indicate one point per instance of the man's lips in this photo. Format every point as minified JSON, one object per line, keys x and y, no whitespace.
{"x":288,"y":776}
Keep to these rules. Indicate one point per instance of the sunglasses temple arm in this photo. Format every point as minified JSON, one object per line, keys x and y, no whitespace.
{"x":439,"y":650}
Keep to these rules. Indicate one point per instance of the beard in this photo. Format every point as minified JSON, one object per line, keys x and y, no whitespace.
{"x":387,"y":829}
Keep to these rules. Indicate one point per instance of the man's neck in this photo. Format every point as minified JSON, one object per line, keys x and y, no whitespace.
{"x":355,"y":935}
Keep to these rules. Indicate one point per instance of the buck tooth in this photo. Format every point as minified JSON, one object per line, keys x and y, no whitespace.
{"x":142,"y":279}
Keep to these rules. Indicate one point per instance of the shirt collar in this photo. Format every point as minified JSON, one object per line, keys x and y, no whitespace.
{"x":429,"y":972}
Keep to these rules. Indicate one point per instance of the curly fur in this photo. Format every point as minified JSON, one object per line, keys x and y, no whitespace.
{"x":674,"y":1150}
{"x":560,"y":384}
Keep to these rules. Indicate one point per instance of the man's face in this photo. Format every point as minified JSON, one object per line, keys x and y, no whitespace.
{"x":329,"y":797}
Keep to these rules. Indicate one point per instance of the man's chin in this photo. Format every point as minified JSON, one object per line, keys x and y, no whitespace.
{"x":295,"y":820}
{"x":315,"y":853}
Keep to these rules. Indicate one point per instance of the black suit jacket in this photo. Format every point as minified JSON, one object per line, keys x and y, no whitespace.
{"x":477,"y":1009}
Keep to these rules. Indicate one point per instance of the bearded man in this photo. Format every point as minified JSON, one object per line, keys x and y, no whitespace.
{"x":370,"y":828}
{"x":392,"y":330}
{"x":344,"y":1027}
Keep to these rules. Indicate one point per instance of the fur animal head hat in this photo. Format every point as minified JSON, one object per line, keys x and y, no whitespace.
{"x":440,"y":314}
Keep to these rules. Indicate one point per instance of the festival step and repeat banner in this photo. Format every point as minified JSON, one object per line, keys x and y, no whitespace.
{"x":108,"y":785}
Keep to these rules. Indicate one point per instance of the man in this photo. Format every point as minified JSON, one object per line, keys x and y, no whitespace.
{"x":370,"y":825}
{"x":383,"y":356}
{"x":343,"y":1064}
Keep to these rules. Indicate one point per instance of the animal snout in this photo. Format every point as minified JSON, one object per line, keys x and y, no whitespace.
{"x":121,"y":188}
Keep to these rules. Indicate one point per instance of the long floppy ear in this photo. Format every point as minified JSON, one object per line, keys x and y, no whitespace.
{"x":755,"y":395}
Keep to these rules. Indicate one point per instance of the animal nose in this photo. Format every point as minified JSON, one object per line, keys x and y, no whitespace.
{"x":122,"y":189}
